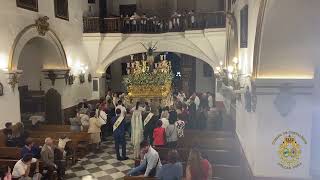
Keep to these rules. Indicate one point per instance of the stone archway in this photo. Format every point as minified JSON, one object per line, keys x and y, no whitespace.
{"x":33,"y":51}
{"x":180,"y":45}
{"x":30,"y":32}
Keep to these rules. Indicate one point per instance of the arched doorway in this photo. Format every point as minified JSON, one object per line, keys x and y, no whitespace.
{"x":190,"y":73}
{"x":34,"y":54}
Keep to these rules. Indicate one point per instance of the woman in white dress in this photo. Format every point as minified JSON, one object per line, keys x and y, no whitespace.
{"x":137,"y":129}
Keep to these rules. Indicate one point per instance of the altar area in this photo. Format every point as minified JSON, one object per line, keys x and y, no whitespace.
{"x":148,"y":81}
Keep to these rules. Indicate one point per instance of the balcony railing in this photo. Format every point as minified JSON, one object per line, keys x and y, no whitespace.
{"x":154,"y":25}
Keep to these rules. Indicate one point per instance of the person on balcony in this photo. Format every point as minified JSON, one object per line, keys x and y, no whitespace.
{"x":185,"y":16}
{"x":134,"y":19}
{"x":144,"y":22}
{"x":127,"y":24}
{"x":192,"y":19}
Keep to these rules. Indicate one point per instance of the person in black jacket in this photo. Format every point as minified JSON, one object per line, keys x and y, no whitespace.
{"x":149,"y":122}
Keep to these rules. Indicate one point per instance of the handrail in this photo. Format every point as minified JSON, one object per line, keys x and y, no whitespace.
{"x":180,"y":23}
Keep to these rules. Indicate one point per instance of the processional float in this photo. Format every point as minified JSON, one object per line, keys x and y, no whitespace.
{"x":148,"y":80}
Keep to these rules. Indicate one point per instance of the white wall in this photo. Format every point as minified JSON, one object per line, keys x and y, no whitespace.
{"x":256,"y":131}
{"x":31,"y":64}
{"x":203,"y":84}
{"x":270,"y":124}
{"x":293,"y":48}
{"x":116,"y":77}
{"x":13,"y":20}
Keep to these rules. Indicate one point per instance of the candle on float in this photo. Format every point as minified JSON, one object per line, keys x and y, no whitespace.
{"x":128,"y":65}
{"x":131,"y":56}
{"x":165,"y":57}
{"x":142,"y":56}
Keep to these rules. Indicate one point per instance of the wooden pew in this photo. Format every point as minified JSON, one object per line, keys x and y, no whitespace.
{"x":11,"y":163}
{"x":214,"y":156}
{"x":49,"y":127}
{"x":10,"y":153}
{"x":207,"y":142}
{"x":205,"y":133}
{"x":75,"y":137}
{"x":220,"y":172}
{"x":138,"y":178}
{"x":80,"y":140}
{"x":2,"y":139}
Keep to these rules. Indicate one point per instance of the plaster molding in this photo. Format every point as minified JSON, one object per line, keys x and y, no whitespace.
{"x":272,"y":86}
{"x":258,"y":37}
{"x":28,"y":33}
{"x":113,"y":46}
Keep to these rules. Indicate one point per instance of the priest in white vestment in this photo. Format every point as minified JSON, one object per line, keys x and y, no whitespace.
{"x":137,"y":129}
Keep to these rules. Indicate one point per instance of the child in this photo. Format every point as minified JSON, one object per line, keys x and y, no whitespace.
{"x":159,"y":135}
{"x":180,"y":124}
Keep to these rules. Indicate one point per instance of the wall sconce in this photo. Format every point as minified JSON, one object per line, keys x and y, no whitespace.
{"x":82,"y":78}
{"x":229,"y":75}
{"x":14,"y":78}
{"x":53,"y":74}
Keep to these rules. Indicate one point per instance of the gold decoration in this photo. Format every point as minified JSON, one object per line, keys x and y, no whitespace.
{"x":149,"y":80}
{"x":289,"y":149}
{"x":42,"y":25}
{"x":149,"y":91}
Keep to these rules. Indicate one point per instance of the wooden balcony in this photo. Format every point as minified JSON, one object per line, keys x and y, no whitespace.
{"x":154,"y":25}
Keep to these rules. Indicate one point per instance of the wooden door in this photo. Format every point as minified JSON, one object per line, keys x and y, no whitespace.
{"x":53,"y":107}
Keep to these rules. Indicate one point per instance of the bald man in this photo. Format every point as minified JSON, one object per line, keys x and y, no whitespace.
{"x":47,"y":156}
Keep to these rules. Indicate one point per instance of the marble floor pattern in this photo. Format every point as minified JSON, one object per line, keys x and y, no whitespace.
{"x":102,"y":165}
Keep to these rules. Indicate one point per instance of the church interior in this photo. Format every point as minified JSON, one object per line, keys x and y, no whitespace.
{"x":160,"y":89}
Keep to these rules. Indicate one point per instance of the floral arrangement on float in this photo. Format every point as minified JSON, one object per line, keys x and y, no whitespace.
{"x":146,"y":79}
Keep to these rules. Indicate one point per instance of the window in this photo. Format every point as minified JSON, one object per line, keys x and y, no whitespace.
{"x":244,"y":27}
{"x":91,"y":1}
{"x":61,"y":9}
{"x":28,"y":4}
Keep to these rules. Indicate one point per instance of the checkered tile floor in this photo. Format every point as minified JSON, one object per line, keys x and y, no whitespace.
{"x":102,"y":165}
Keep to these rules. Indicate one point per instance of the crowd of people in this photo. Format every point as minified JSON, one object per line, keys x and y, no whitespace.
{"x":144,"y":23}
{"x":198,"y":168}
{"x":52,"y":157}
{"x":149,"y":129}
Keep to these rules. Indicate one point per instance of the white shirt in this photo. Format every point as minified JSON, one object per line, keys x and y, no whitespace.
{"x":62,"y":142}
{"x":165,"y":122}
{"x":102,"y":116}
{"x":181,"y":97}
{"x":210,"y":101}
{"x":197,"y":102}
{"x":20,"y":168}
{"x":122,"y":108}
{"x":171,"y":133}
{"x":152,"y":157}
